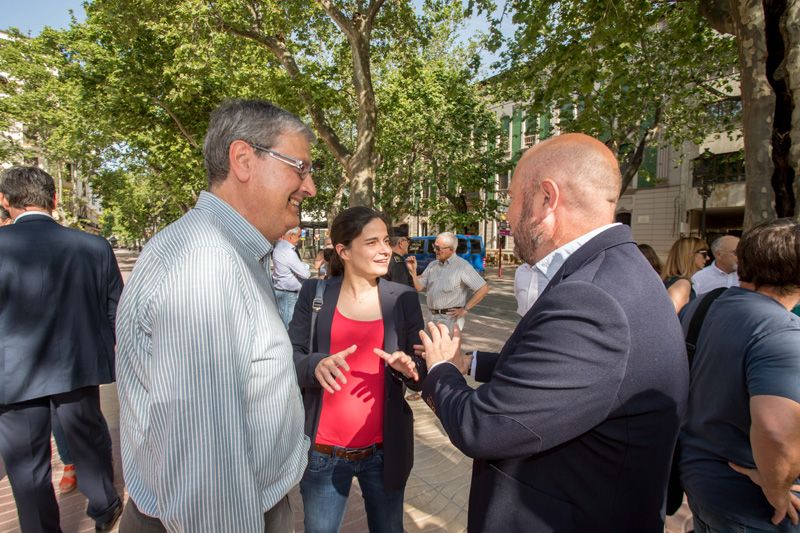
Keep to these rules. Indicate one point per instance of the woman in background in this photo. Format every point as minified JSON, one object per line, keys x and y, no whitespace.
{"x":651,"y":256}
{"x":687,"y":256}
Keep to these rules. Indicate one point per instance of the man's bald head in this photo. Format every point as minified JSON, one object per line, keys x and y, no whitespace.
{"x":582,"y":166}
{"x":562,"y":188}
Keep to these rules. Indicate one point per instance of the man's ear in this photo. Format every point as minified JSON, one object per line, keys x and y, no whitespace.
{"x":551,"y":193}
{"x":241,"y":159}
{"x":55,"y":201}
{"x":4,"y":202}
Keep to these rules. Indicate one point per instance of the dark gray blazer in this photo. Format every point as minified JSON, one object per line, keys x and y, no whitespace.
{"x":402,"y":321}
{"x":59,"y":289}
{"x":575,"y":428}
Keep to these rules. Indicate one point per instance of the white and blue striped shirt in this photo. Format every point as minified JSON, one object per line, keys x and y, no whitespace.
{"x":211,"y":419}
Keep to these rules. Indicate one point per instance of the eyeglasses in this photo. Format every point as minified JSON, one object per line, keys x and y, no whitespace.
{"x":438,"y":248}
{"x":704,"y":253}
{"x":303,"y":169}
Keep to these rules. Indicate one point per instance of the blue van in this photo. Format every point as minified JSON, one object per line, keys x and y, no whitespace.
{"x":470,"y":247}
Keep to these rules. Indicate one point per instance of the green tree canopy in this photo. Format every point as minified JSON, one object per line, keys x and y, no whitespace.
{"x":625,"y":72}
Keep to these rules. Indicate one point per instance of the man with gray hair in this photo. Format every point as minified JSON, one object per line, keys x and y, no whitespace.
{"x":722,"y":272}
{"x":448,"y":282}
{"x":288,"y":274}
{"x":211,"y":420}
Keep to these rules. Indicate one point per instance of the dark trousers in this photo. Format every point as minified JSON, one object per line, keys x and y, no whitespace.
{"x":25,"y":429}
{"x":279,"y":519}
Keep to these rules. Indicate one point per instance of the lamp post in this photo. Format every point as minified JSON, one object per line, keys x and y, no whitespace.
{"x":704,"y":190}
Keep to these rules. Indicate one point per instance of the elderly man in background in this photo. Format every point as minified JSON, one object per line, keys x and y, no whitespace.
{"x":722,"y":272}
{"x":288,"y":274}
{"x":448,"y":282}
{"x":211,"y":418}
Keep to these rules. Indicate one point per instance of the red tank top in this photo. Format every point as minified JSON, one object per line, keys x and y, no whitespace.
{"x":353,"y":416}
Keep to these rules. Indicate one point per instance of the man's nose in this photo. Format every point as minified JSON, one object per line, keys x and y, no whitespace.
{"x":308,"y":186}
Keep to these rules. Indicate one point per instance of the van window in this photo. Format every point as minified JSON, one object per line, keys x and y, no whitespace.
{"x":463,"y":246}
{"x":416,"y":246}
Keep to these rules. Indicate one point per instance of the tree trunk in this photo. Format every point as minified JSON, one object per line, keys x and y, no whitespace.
{"x":775,"y":12}
{"x":792,"y":43}
{"x":362,"y":165}
{"x":758,"y":105}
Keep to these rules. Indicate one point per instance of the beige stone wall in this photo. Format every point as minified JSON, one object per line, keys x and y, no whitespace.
{"x":656,"y":217}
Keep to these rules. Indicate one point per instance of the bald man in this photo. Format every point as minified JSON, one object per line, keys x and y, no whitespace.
{"x":574,"y":425}
{"x":722,"y":272}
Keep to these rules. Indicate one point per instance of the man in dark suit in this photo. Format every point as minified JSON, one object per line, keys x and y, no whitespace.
{"x":574,"y":427}
{"x":59,"y":289}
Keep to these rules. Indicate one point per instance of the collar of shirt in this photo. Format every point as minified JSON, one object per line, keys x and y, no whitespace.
{"x":284,"y":242}
{"x":240,"y":229}
{"x":549,"y":264}
{"x":717,"y":270}
{"x":29,"y":213}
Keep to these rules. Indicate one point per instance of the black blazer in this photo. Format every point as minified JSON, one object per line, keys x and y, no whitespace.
{"x":402,"y":321}
{"x":575,"y":428}
{"x":59,"y":289}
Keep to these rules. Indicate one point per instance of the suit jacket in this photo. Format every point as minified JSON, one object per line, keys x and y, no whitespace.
{"x":402,"y":321}
{"x":59,"y":289}
{"x":575,"y":428}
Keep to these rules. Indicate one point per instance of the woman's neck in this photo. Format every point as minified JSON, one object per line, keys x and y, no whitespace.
{"x":356,"y":285}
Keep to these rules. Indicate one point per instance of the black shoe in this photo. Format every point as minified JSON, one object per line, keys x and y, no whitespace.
{"x":108,"y":525}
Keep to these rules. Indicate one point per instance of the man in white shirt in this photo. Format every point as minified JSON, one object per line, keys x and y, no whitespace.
{"x":722,"y":272}
{"x":289,"y":274}
{"x":448,"y":282}
{"x":211,"y":418}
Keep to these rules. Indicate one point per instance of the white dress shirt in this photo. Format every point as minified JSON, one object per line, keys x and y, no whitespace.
{"x":711,"y":277}
{"x":290,"y":271}
{"x":211,"y":418}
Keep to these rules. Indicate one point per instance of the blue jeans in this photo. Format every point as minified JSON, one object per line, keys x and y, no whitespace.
{"x":326,"y":485}
{"x":286,"y":301}
{"x":709,"y":521}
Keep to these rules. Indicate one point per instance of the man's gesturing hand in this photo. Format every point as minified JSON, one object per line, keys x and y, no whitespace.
{"x":440,"y":346}
{"x":330,"y":369}
{"x":400,"y":362}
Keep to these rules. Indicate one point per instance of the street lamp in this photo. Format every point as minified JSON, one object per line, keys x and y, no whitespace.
{"x":702,"y":170}
{"x":704,"y":190}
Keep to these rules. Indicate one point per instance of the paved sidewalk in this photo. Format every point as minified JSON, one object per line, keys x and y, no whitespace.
{"x":437,"y":491}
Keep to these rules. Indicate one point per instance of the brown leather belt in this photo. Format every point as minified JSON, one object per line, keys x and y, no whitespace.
{"x":443,"y":311}
{"x":351,"y":454}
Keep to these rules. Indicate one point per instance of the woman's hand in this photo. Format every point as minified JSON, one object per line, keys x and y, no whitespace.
{"x":330,"y":369}
{"x":399,"y":361}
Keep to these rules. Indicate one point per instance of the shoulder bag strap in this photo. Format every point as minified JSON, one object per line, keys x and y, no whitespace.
{"x":316,"y":305}
{"x":697,"y":321}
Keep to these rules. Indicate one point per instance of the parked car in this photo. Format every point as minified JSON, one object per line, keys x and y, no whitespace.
{"x":470,"y":247}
